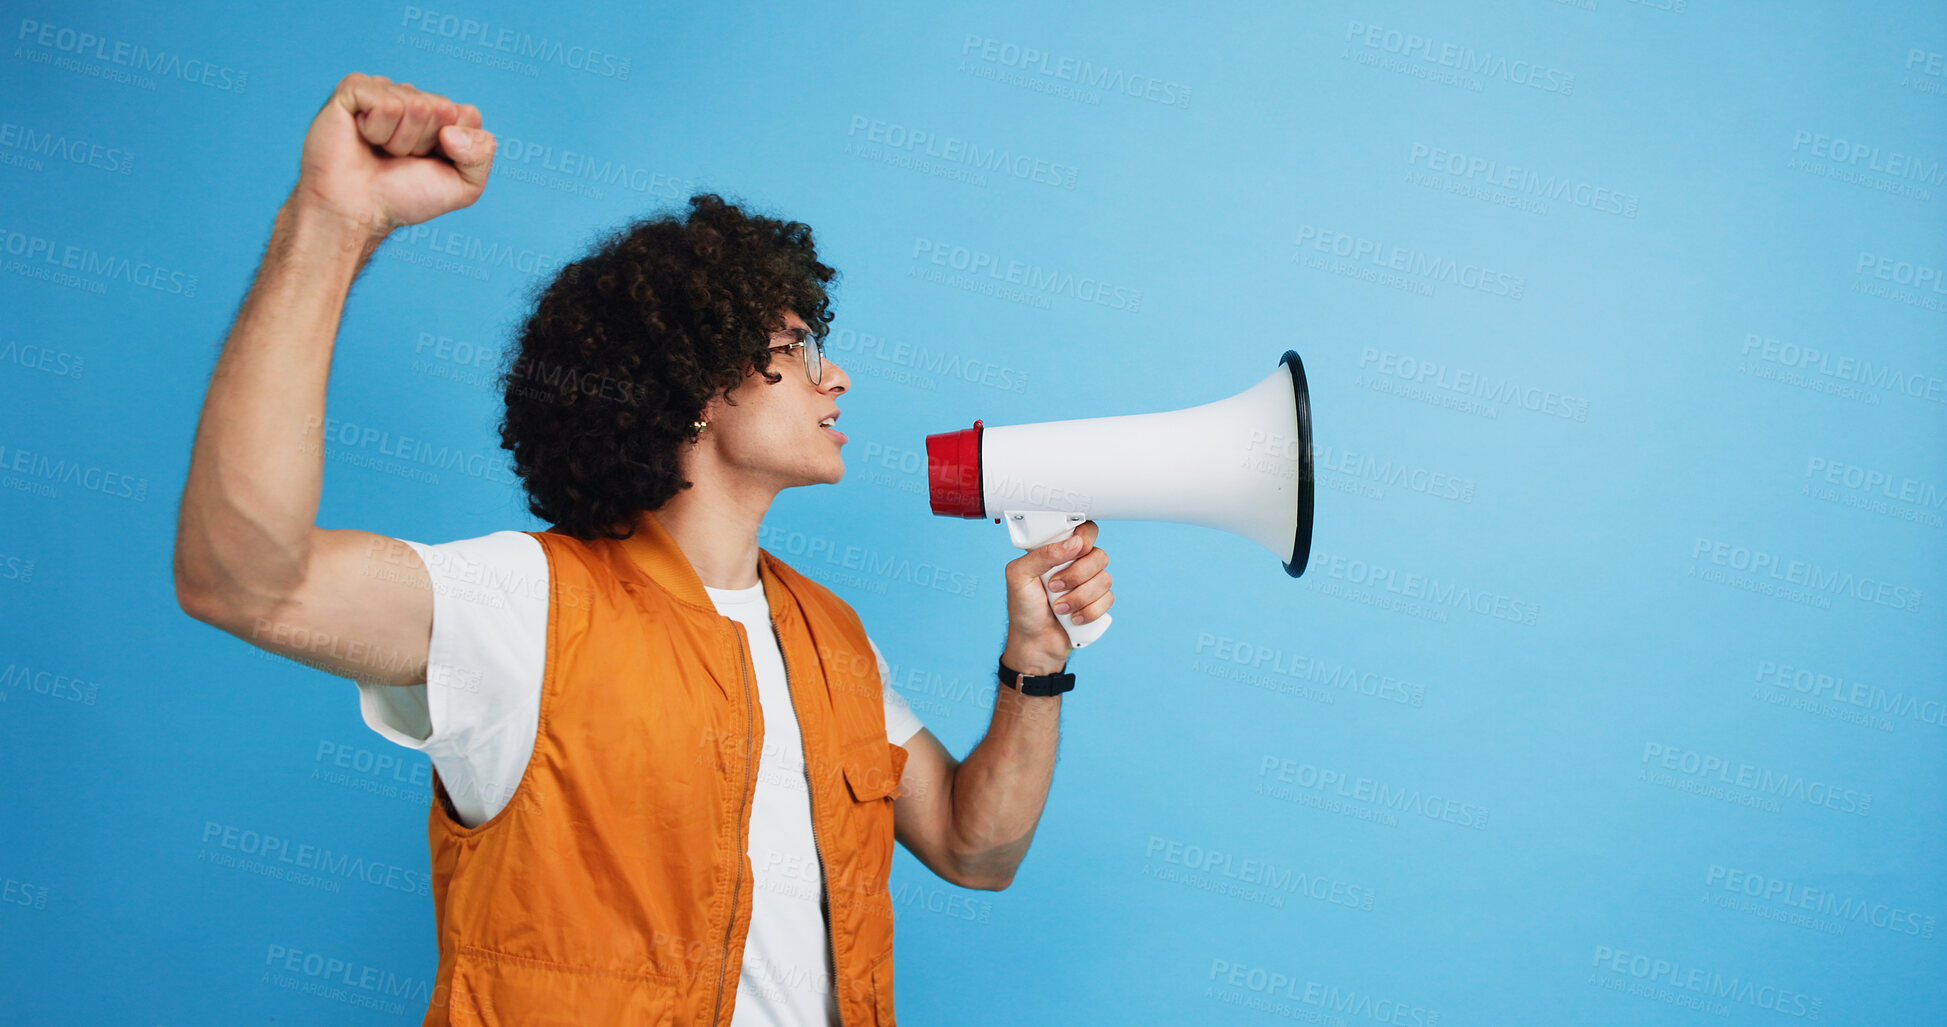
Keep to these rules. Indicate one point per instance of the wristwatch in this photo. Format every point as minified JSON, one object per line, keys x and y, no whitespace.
{"x":1035,"y":684}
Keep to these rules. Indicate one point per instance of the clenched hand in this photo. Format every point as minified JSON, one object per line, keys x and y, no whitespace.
{"x":382,"y":154}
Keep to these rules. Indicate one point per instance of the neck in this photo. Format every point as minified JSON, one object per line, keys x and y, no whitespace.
{"x":717,"y":532}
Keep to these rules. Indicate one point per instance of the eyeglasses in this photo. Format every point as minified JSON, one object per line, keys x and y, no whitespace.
{"x":814,"y":353}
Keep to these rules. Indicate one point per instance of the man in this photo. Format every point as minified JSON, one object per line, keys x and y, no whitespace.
{"x":666,"y":785}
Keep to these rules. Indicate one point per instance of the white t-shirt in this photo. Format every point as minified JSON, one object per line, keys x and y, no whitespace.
{"x":490,"y":619}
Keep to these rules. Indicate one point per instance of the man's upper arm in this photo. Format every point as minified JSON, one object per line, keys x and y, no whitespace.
{"x":901,"y":722}
{"x":363,"y":611}
{"x":922,"y":813}
{"x":478,"y":714}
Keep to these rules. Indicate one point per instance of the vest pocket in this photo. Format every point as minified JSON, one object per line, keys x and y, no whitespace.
{"x":495,"y":989}
{"x":873,"y":773}
{"x":873,"y":781}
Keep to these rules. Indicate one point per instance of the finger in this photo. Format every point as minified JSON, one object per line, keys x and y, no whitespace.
{"x":374,"y":107}
{"x":1081,"y":570}
{"x":1049,"y":556}
{"x":1094,"y":610}
{"x":416,"y":124}
{"x":470,"y":149}
{"x":357,"y":80}
{"x":1079,"y":597}
{"x":445,"y":112}
{"x":469,"y":116}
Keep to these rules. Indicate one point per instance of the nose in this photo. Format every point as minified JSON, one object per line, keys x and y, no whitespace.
{"x":833,"y":378}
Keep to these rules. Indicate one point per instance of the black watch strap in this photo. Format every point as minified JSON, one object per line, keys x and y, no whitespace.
{"x":1036,"y":684}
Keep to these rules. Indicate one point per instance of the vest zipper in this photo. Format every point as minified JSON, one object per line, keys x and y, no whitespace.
{"x":831,"y":932}
{"x":737,"y":892}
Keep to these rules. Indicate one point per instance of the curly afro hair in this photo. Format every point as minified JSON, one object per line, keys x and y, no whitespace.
{"x":627,"y":344}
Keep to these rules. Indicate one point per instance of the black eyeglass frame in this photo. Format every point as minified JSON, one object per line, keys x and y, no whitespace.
{"x":814,"y":358}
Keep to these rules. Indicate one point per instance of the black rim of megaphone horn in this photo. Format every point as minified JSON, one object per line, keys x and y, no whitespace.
{"x":1301,"y":544}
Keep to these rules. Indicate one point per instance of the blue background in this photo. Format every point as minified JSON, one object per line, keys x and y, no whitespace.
{"x":1603,"y":455}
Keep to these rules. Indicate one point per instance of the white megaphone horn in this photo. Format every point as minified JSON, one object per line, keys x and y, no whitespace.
{"x":1242,"y":465}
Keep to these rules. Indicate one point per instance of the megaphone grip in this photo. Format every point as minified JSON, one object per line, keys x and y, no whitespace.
{"x":1082,"y":634}
{"x":1032,"y":529}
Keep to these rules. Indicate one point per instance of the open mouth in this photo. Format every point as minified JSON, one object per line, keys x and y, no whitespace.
{"x":827,"y":424}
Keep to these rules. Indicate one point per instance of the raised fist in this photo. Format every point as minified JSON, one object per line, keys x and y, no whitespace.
{"x":381,"y":154}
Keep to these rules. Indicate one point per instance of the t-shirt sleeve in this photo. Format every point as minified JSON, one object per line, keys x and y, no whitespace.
{"x":477,"y":712}
{"x":901,"y":722}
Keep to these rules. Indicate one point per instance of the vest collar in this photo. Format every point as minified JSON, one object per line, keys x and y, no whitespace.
{"x":655,"y":552}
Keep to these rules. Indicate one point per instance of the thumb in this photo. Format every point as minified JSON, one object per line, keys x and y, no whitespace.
{"x":470,"y":149}
{"x":1054,"y":554}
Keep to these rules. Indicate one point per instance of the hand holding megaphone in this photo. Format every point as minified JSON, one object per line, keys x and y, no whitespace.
{"x":1032,"y":529}
{"x":1242,"y":465}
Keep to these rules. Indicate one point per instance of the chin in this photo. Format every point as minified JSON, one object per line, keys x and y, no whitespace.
{"x":828,"y":476}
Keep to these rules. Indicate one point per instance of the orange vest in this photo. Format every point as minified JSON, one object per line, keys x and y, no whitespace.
{"x":614,"y":887}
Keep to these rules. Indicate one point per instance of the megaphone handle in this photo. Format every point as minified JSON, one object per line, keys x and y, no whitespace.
{"x":1079,"y":635}
{"x":1032,"y":529}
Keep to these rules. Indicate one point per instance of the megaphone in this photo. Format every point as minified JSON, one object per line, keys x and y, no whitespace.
{"x":1242,"y":465}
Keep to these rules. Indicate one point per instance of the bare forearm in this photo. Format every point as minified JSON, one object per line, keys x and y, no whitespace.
{"x":251,"y":498}
{"x":978,"y":837}
{"x":1001,"y":788}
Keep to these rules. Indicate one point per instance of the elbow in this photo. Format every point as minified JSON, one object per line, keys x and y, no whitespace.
{"x":208,"y":598}
{"x":205,"y":605}
{"x":209,"y":588}
{"x":981,"y":876}
{"x":982,"y":882}
{"x":223,"y":612}
{"x":197,"y":582}
{"x":194,"y":594}
{"x":194,"y":603}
